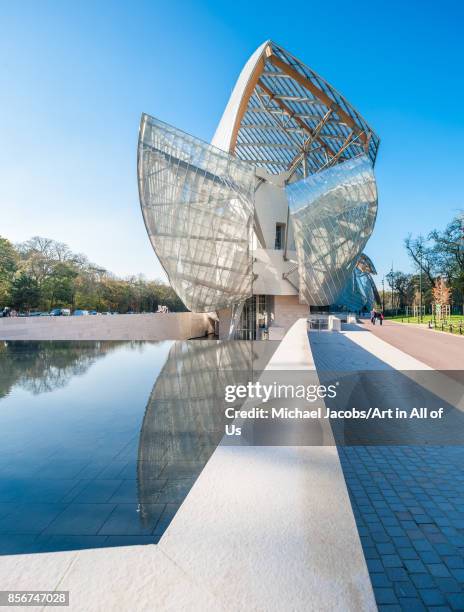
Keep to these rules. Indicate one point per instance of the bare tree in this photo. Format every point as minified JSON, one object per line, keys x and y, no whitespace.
{"x":423,"y":255}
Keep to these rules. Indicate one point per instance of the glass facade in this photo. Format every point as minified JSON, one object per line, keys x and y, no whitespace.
{"x":333,"y":214}
{"x":255,"y":318}
{"x":359,"y":294}
{"x":292,"y":172}
{"x":197,"y":202}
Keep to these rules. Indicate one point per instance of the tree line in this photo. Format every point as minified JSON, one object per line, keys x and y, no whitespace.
{"x":42,"y":274}
{"x":438,"y":259}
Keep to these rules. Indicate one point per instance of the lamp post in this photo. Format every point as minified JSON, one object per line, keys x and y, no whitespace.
{"x":383,"y":294}
{"x":461,"y":248}
{"x":420,"y":280}
{"x":392,"y":283}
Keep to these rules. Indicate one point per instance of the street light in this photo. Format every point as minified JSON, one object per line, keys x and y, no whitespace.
{"x":420,"y":280}
{"x":383,"y":294}
{"x":461,"y":246}
{"x":392,"y":283}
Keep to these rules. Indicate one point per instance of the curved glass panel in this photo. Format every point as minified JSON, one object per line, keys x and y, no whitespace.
{"x":197,"y":202}
{"x":358,"y":294}
{"x":333,"y":214}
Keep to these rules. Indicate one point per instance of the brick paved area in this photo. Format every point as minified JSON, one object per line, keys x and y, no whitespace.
{"x":408,"y":501}
{"x":409,"y":508}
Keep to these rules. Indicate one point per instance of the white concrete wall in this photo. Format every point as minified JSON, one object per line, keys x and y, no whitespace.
{"x":159,"y":326}
{"x":287,"y":310}
{"x":334,"y":324}
{"x":269,"y":265}
{"x":223,"y":134}
{"x":271,"y":207}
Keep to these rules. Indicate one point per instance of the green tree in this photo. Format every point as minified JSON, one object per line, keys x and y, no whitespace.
{"x":8,"y":266}
{"x":58,"y":286}
{"x":403,"y":287}
{"x":449,"y":254}
{"x":47,"y":274}
{"x":441,"y":254}
{"x":25,"y":292}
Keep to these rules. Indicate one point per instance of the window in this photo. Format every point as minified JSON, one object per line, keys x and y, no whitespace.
{"x":279,"y":236}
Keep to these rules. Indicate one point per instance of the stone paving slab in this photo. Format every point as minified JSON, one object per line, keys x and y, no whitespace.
{"x":409,"y":509}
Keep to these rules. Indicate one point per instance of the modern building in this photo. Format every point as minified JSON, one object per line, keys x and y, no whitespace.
{"x":272,"y":217}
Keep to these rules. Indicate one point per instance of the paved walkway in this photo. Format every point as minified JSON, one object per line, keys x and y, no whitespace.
{"x":408,"y":503}
{"x":439,"y":350}
{"x":408,"y":499}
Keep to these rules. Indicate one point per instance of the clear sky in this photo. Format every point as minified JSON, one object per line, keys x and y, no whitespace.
{"x":75,"y":77}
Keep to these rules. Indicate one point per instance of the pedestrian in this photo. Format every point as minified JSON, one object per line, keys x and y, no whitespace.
{"x":381,"y":318}
{"x":373,"y":316}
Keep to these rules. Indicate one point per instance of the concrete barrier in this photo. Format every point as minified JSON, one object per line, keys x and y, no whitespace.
{"x":334,"y":324}
{"x":159,"y":326}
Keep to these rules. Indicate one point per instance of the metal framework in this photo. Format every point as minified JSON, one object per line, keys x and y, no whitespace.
{"x":292,"y":119}
{"x":197,"y":203}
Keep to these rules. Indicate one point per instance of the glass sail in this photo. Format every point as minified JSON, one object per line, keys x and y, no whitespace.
{"x":197,"y":202}
{"x":333,"y":214}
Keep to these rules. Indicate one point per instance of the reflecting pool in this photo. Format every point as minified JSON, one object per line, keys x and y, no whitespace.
{"x":100,"y":442}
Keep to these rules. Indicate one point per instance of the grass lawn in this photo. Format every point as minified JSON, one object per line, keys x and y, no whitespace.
{"x":455,"y":320}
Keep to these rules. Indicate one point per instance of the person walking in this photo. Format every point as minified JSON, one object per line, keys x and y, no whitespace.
{"x":381,"y":317}
{"x":373,"y":316}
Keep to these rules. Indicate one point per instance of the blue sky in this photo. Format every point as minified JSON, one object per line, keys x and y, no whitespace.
{"x":75,"y":77}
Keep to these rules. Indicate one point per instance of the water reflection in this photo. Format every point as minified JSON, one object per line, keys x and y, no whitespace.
{"x":100,"y":442}
{"x":41,"y":367}
{"x":184,"y":419}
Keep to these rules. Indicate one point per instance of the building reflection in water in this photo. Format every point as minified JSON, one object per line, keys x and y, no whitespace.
{"x":95,"y":449}
{"x":184,"y":418}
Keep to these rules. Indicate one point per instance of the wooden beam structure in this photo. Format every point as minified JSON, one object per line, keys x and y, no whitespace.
{"x":286,"y":109}
{"x":258,"y":70}
{"x":318,"y":93}
{"x":293,"y":116}
{"x":301,"y":156}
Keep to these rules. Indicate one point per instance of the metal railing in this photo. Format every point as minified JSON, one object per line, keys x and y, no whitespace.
{"x":444,"y":325}
{"x":447,"y":326}
{"x":318,"y":324}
